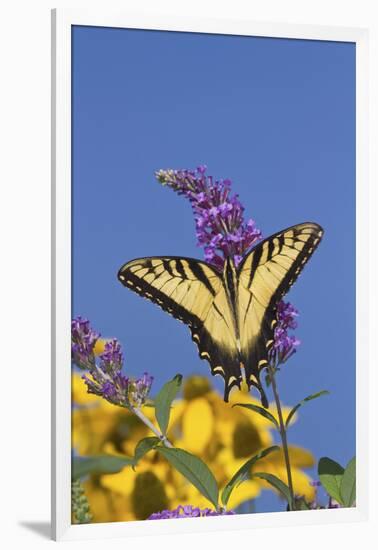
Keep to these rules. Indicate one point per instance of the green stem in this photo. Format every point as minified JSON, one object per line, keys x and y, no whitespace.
{"x":153,"y":428}
{"x":283,"y":435}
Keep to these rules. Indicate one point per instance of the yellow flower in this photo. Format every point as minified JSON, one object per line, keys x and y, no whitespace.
{"x":224,"y":437}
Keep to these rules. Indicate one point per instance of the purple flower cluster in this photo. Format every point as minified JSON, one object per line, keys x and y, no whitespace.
{"x":284,"y":344}
{"x":83,"y":340}
{"x":105,"y":377}
{"x":222,"y":231}
{"x":188,"y":511}
{"x":140,"y":389}
{"x":111,"y":359}
{"x":219,"y":219}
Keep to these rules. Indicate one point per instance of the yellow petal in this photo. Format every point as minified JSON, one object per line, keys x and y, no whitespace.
{"x":245,"y":491}
{"x":230,"y":464}
{"x":245,"y":397}
{"x":194,"y":497}
{"x":90,"y":430}
{"x":121,"y":483}
{"x":285,"y":413}
{"x":80,"y":396}
{"x":203,"y":424}
{"x":197,"y":425}
{"x":301,"y":457}
{"x":257,"y":419}
{"x":298,"y":458}
{"x":177,"y":411}
{"x":224,"y":432}
{"x":99,"y":346}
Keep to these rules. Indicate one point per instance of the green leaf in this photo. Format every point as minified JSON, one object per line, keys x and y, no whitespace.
{"x":195,"y":471}
{"x":330,"y":475}
{"x":164,"y":400}
{"x":308,"y":398}
{"x":243,"y":472}
{"x":348,"y":484}
{"x":277,"y":484}
{"x":104,"y":464}
{"x":260,"y":410}
{"x":144,"y":445}
{"x":109,"y":464}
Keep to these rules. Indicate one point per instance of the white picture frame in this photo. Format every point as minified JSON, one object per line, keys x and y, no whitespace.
{"x":62,"y":21}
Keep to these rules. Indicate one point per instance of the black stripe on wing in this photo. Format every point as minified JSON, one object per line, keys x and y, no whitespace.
{"x":224,"y":362}
{"x":257,"y":360}
{"x":148,"y":291}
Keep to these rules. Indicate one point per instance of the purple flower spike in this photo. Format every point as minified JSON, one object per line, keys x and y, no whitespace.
{"x":220,"y":225}
{"x":140,"y":389}
{"x":189,"y":511}
{"x":83,"y":340}
{"x":106,"y":379}
{"x":115,"y":389}
{"x":222,"y":232}
{"x":111,"y":360}
{"x":284,"y":344}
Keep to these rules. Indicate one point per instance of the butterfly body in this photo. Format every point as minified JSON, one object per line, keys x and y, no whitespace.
{"x":231,"y":314}
{"x":230,"y":282}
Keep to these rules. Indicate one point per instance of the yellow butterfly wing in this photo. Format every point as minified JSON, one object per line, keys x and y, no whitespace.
{"x":265,"y":276}
{"x":192,"y":292}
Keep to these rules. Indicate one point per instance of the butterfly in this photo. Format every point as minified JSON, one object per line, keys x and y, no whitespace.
{"x":231,"y":314}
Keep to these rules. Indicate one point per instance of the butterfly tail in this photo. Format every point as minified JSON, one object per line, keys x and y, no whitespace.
{"x":257,"y":384}
{"x":228,"y":385}
{"x":264,"y":400}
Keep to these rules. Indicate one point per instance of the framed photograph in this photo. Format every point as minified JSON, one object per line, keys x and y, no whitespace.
{"x":203,"y":165}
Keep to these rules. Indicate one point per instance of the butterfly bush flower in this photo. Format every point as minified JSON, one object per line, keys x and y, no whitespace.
{"x":188,"y":512}
{"x":83,"y":339}
{"x":140,"y":389}
{"x":223,"y":232}
{"x":284,"y":345}
{"x":218,"y":214}
{"x":105,"y":377}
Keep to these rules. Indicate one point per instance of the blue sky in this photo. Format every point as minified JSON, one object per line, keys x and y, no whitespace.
{"x":277,"y":117}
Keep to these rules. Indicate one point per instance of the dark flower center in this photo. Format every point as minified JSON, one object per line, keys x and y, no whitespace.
{"x":148,"y":495}
{"x":246,"y":440}
{"x":195,"y":386}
